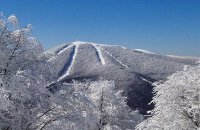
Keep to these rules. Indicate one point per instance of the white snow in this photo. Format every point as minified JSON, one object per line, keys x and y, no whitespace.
{"x":117,"y":60}
{"x":79,"y":42}
{"x":33,"y":40}
{"x":60,"y":52}
{"x":182,"y":57}
{"x":64,"y":49}
{"x":72,"y":63}
{"x":97,"y":44}
{"x":19,"y":72}
{"x":186,"y":67}
{"x":99,"y":52}
{"x":52,"y":58}
{"x":102,"y":60}
{"x":146,"y":80}
{"x":145,"y":51}
{"x":112,"y":46}
{"x":13,"y":19}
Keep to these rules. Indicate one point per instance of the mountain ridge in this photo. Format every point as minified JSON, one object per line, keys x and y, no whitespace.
{"x":133,"y":71}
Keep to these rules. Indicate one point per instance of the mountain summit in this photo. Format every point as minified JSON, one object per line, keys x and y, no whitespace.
{"x":133,"y":70}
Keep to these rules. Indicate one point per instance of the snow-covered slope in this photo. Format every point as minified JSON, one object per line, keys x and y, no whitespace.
{"x":153,"y":65}
{"x":132,"y":70}
{"x":144,"y":51}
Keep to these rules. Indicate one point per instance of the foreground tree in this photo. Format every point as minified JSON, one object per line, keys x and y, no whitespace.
{"x":177,"y":103}
{"x":22,"y":80}
{"x":113,"y":113}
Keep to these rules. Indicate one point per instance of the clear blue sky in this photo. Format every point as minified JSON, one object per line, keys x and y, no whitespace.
{"x":163,"y":26}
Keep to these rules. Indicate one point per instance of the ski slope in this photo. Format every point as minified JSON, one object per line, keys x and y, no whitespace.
{"x":71,"y":61}
{"x":99,"y":54}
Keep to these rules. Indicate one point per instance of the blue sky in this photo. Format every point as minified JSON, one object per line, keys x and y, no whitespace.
{"x":162,"y":26}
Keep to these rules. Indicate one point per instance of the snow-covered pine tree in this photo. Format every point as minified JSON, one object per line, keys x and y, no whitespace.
{"x":177,"y":103}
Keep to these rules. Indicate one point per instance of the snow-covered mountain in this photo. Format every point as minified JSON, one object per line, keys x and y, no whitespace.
{"x":133,"y":70}
{"x":38,"y":90}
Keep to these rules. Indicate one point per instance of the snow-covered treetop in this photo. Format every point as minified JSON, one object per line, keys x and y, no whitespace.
{"x":198,"y":62}
{"x":13,"y":20}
